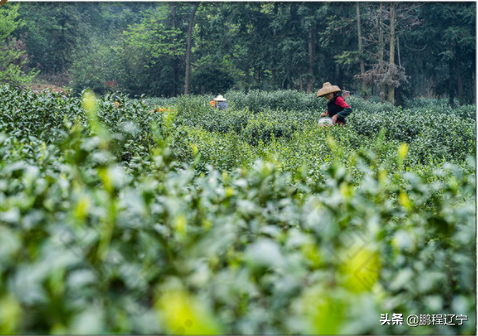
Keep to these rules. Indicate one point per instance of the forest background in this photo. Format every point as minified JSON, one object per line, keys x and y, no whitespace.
{"x":389,"y":51}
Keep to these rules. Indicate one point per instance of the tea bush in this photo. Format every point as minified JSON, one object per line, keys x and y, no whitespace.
{"x":289,"y":100}
{"x":438,"y":106}
{"x":126,"y":216}
{"x":443,"y":135}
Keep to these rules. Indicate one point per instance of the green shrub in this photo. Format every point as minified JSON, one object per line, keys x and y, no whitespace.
{"x":122,"y":218}
{"x":231,"y":252}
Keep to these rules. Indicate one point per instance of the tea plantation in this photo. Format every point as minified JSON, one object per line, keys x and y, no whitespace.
{"x":166,"y":216}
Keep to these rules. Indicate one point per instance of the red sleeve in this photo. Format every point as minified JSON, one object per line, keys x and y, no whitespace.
{"x":341,"y":102}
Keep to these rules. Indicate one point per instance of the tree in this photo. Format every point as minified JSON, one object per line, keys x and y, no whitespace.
{"x":13,"y":58}
{"x":392,"y":69}
{"x":53,"y":33}
{"x":338,"y":33}
{"x":458,"y":42}
{"x":94,"y":66}
{"x":360,"y":46}
{"x":310,"y":70}
{"x":442,"y":53}
{"x":254,"y":42}
{"x":214,"y":69}
{"x":390,"y":21}
{"x":188,"y":49}
{"x":293,"y":55}
{"x":149,"y":50}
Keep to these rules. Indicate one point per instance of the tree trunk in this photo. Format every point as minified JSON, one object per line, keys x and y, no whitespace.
{"x":301,"y":86}
{"x":432,"y":86}
{"x":337,"y":75}
{"x":458,"y":75}
{"x":391,"y":88}
{"x":310,"y":77}
{"x":450,"y":85}
{"x":473,"y":87}
{"x":399,"y":96}
{"x":360,"y":47}
{"x":188,"y":49}
{"x":381,"y":47}
{"x":275,"y":54}
{"x":175,"y":60}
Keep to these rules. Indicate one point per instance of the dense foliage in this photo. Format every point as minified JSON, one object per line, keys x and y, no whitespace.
{"x":168,"y":216}
{"x":13,"y":60}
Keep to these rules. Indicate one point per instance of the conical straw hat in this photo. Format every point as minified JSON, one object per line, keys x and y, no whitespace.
{"x":220,"y":98}
{"x":327,"y":88}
